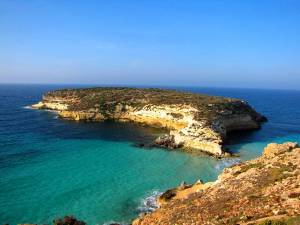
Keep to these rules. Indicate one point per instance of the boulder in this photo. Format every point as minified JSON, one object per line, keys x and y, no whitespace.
{"x":167,"y":141}
{"x":274,"y":149}
{"x":68,"y":220}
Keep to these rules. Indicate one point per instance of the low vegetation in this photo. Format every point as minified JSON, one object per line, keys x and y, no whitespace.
{"x":108,"y":98}
{"x":285,"y":221}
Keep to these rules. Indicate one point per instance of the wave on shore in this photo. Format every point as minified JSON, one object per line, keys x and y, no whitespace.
{"x":224,"y":163}
{"x":149,"y":204}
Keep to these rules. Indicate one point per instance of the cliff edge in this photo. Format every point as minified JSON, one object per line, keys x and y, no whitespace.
{"x":197,"y":122}
{"x":264,"y":191}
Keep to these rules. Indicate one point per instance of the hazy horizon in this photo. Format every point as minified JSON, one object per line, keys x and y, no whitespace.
{"x":95,"y":85}
{"x":239,"y":44}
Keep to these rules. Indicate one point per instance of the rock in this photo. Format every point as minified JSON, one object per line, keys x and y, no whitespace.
{"x":274,"y":149}
{"x":182,"y":186}
{"x":167,"y":141}
{"x":140,"y":145}
{"x":38,"y":105}
{"x":228,"y":154}
{"x":68,"y":220}
{"x":167,"y":196}
{"x":145,"y":145}
{"x":199,"y":181}
{"x":261,"y":118}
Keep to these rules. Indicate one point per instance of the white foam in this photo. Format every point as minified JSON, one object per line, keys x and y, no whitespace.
{"x":149,"y":204}
{"x":47,"y":110}
{"x":224,"y":163}
{"x":114,"y":222}
{"x":27,"y":107}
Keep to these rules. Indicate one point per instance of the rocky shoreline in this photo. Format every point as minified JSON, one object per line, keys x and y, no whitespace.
{"x":195,"y":122}
{"x":264,"y":191}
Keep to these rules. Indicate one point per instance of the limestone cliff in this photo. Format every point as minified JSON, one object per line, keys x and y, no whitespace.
{"x":264,"y":191}
{"x":197,"y":122}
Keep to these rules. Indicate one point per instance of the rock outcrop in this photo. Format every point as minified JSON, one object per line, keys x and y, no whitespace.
{"x":197,"y":122}
{"x":265,"y":190}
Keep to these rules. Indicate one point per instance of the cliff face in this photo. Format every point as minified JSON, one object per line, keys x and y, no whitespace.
{"x":197,"y":122}
{"x":263,"y":191}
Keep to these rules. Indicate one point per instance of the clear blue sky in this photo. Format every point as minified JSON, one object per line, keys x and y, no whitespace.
{"x":231,"y":43}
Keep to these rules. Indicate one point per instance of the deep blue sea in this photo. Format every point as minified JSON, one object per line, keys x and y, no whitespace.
{"x":50,"y":167}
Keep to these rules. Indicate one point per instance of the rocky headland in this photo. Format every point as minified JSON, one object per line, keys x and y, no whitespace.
{"x":263,"y":191}
{"x":195,"y":122}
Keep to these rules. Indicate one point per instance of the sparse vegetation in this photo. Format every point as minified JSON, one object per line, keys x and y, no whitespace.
{"x":106,"y":99}
{"x":285,"y":221}
{"x":280,"y":173}
{"x":246,"y":167}
{"x":272,"y":222}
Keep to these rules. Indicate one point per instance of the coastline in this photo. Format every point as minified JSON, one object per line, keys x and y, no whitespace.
{"x":260,"y":191}
{"x":195,"y":122}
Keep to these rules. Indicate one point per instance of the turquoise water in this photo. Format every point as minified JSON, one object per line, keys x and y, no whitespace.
{"x":51,"y":167}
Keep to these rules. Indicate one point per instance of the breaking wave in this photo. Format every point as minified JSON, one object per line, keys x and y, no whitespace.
{"x":224,"y":163}
{"x":149,"y":204}
{"x":114,"y":222}
{"x":27,"y":107}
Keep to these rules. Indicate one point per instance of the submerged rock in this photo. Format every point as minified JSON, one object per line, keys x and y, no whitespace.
{"x":68,"y":220}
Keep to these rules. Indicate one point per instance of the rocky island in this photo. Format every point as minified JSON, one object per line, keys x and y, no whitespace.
{"x":195,"y":121}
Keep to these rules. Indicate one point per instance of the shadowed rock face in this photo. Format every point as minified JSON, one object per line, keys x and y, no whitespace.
{"x":196,"y":122}
{"x":67,"y":220}
{"x":261,"y":191}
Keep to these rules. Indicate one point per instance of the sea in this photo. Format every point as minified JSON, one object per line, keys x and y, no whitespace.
{"x":50,"y":167}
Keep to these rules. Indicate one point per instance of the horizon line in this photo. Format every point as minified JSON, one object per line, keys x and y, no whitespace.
{"x":147,"y":85}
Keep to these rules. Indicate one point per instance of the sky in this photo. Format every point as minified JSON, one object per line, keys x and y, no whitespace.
{"x":218,"y":43}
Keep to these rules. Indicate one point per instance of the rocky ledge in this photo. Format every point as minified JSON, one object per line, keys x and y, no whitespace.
{"x":264,"y":191}
{"x":196,"y":122}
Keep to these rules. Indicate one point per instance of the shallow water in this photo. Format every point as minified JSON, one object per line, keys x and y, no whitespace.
{"x":51,"y":167}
